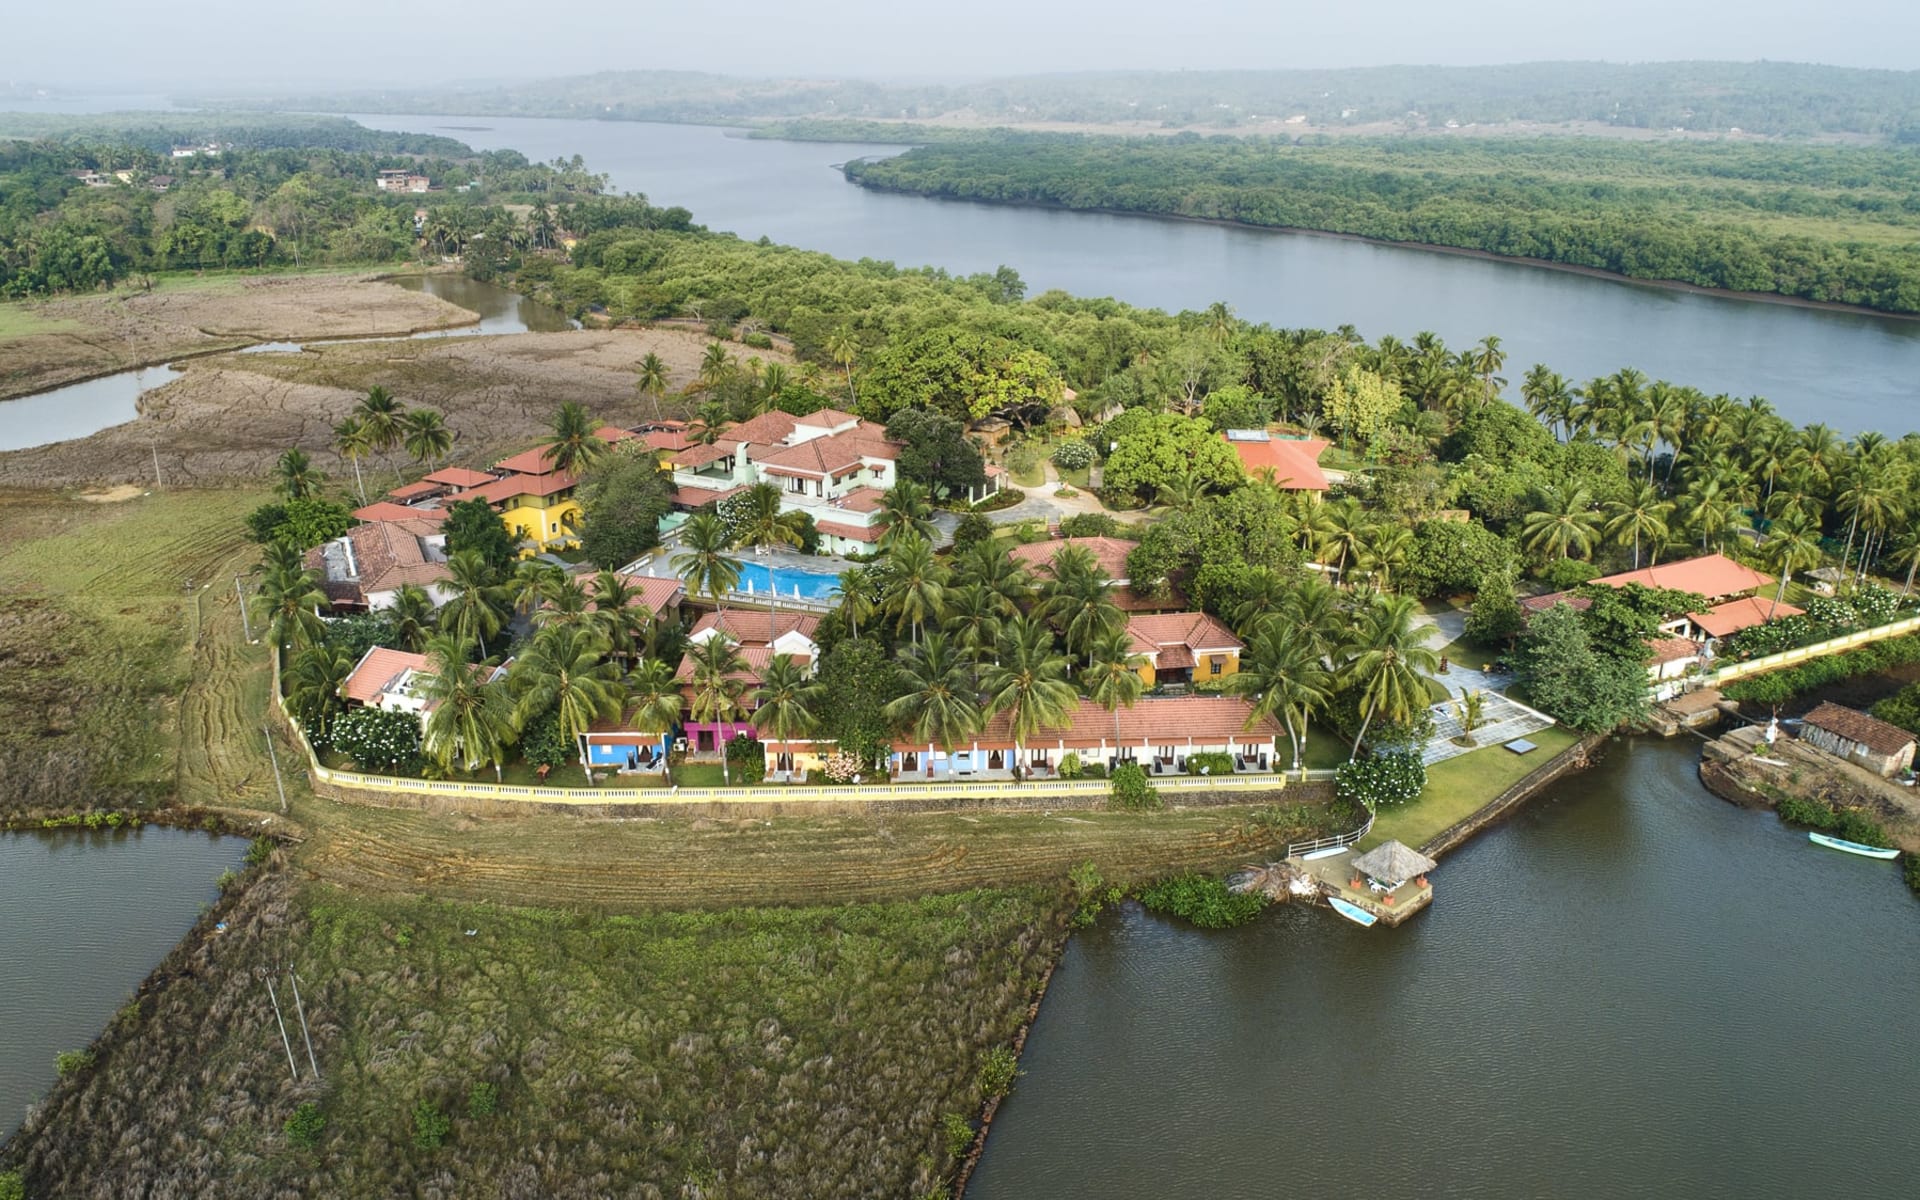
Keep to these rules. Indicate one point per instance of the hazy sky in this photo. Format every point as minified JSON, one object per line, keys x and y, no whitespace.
{"x":138,"y":44}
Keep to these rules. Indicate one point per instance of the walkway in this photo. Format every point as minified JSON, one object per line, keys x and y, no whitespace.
{"x":1502,"y":719}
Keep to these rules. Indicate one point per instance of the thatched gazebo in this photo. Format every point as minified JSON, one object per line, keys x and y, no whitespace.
{"x":1393,"y":864}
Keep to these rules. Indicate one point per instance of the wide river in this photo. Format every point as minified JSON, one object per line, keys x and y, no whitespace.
{"x":84,"y":917}
{"x":1851,"y":371}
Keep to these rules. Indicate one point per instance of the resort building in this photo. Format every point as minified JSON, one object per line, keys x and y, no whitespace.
{"x":396,"y":681}
{"x":402,"y":181}
{"x":660,"y":595}
{"x":367,"y":566}
{"x":1867,"y":741}
{"x":1178,"y":649}
{"x":760,"y":637}
{"x":535,"y":502}
{"x":387,"y":510}
{"x":1292,"y":463}
{"x":1110,"y":555}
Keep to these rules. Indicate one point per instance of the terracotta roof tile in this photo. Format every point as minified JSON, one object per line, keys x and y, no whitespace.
{"x":1196,"y":632}
{"x":1744,"y":613}
{"x":460,"y":477}
{"x":414,"y":491}
{"x":1871,"y":732}
{"x":857,"y":533}
{"x":383,"y":510}
{"x":656,"y":593}
{"x":1711,"y":575}
{"x":1152,"y":722}
{"x":1295,"y":462}
{"x":758,"y":628}
{"x":377,"y":669}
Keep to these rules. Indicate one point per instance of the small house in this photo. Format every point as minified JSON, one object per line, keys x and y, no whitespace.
{"x":1183,"y":648}
{"x":1867,"y":741}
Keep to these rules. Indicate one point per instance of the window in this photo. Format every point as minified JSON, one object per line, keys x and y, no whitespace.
{"x":1213,"y":664}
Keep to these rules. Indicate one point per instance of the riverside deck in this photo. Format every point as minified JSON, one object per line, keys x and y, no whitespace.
{"x":1334,"y":874}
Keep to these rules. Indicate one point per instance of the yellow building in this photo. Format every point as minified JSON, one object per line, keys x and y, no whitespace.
{"x":535,"y":502}
{"x":1183,"y":648}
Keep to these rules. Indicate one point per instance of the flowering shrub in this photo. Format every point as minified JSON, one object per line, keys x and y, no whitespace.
{"x":1831,"y":612}
{"x":1073,"y":455}
{"x":841,"y":767}
{"x":1875,"y":604}
{"x":1210,"y":762}
{"x":378,"y":740}
{"x":1772,"y":637}
{"x":1382,"y":781}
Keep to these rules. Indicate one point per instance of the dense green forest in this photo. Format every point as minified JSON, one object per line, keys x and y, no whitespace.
{"x":1812,"y":222}
{"x":106,"y":199}
{"x":1787,"y":99}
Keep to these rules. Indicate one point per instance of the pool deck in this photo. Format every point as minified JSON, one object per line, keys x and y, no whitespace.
{"x":1334,"y":874}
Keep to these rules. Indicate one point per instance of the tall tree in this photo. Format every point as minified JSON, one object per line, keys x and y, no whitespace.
{"x":1112,"y":678}
{"x":703,"y":563}
{"x":470,"y":722}
{"x":652,"y":380}
{"x":426,"y":436}
{"x":1389,"y":659}
{"x":1286,"y":678}
{"x":477,"y":607}
{"x":787,"y":702}
{"x":564,"y":670}
{"x":288,"y":599}
{"x":718,"y":687}
{"x":313,"y":685}
{"x":379,"y":413}
{"x":916,"y":584}
{"x":412,"y":616}
{"x":1564,"y":526}
{"x":766,"y":522}
{"x":294,"y":476}
{"x":1028,"y":683}
{"x":350,"y":441}
{"x":1641,"y":517}
{"x":938,"y":704}
{"x":575,"y":445}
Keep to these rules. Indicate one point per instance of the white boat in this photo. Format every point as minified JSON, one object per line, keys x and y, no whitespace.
{"x":1329,"y":852}
{"x":1351,"y":911}
{"x":1860,"y":848}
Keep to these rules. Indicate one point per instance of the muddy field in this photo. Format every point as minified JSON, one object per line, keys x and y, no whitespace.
{"x":231,"y":415}
{"x":44,"y":345}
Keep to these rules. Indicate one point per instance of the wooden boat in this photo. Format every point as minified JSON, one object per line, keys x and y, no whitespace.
{"x":1351,"y":911}
{"x":1863,"y":850}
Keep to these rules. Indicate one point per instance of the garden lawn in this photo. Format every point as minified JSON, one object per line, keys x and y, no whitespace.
{"x":1460,"y":786}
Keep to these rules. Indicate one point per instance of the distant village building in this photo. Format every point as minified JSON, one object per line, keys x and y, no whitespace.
{"x":402,"y":181}
{"x":1868,"y":741}
{"x":203,"y":150}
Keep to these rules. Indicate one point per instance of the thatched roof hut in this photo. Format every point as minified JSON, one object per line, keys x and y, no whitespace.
{"x":1392,"y":863}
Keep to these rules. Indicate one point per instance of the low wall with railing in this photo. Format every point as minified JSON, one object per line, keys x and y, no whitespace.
{"x":1800,"y":654}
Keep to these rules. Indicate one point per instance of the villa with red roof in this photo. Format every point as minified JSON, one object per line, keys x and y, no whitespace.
{"x":1183,"y":647}
{"x":1293,"y":462}
{"x":366,"y":567}
{"x":396,"y":681}
{"x":1110,"y":556}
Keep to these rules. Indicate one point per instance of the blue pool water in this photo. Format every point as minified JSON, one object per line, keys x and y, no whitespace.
{"x":812,"y":585}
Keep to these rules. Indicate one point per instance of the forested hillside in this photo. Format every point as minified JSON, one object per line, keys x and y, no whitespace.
{"x":1816,"y":223}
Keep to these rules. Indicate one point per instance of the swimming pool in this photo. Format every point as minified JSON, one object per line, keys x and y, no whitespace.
{"x":810,"y":585}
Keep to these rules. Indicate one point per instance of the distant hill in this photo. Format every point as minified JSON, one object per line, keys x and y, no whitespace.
{"x":1776,"y":99}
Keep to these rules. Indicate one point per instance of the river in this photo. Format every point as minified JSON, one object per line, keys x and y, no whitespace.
{"x":1631,"y":989}
{"x":1850,"y":370}
{"x":88,"y":916}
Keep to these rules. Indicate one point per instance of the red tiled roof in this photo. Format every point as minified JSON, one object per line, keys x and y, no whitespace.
{"x":758,"y":628}
{"x":861,"y":500}
{"x":757,"y":659}
{"x":613,"y":434}
{"x":826,"y":418}
{"x":1871,"y":732}
{"x":1711,"y":575}
{"x":767,"y":429}
{"x":382,"y":510}
{"x":1295,"y":462}
{"x":386,"y":554}
{"x":699,"y":456}
{"x":656,"y":593}
{"x":858,"y":533}
{"x":527,"y":462}
{"x":1109,"y":554}
{"x":668,"y":439}
{"x":460,"y":477}
{"x":1673,"y":649}
{"x":1197,"y":632}
{"x":502,"y":490}
{"x":1205,"y":720}
{"x":1540,"y":604}
{"x":1172,"y":658}
{"x":378,"y":668}
{"x":1743,"y":613}
{"x":694,"y":497}
{"x":414,"y":491}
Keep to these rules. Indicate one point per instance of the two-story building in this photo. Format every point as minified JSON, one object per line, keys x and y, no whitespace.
{"x":535,"y":502}
{"x":365,"y":568}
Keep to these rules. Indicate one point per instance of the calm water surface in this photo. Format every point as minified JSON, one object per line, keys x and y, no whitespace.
{"x":84,"y":917}
{"x":1632,"y":989}
{"x":1853,"y":372}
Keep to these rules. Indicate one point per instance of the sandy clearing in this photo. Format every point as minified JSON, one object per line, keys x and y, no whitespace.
{"x":114,"y":495}
{"x":230,"y":416}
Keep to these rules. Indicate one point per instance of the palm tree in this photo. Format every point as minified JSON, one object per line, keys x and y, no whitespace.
{"x":905,"y":509}
{"x":715,"y":365}
{"x":1288,"y":679}
{"x":990,"y":565}
{"x":652,"y":380}
{"x":575,"y":446}
{"x":1184,"y":488}
{"x":1028,"y":682}
{"x":531,"y":583}
{"x":973,"y":620}
{"x":718,"y":688}
{"x":470,"y":722}
{"x":856,"y":597}
{"x":294,"y":476}
{"x":380,"y":414}
{"x":565,"y":671}
{"x":619,"y":616}
{"x":412,"y":616}
{"x":844,"y":350}
{"x":1709,"y":511}
{"x":787,"y":701}
{"x":564,"y":603}
{"x":1346,"y":526}
{"x":704,"y":564}
{"x":1643,"y":515}
{"x":351,"y":443}
{"x":774,"y":382}
{"x":1315,"y":612}
{"x":1549,"y":399}
{"x":766,"y":524}
{"x":289,"y":599}
{"x":1262,"y":591}
{"x":1112,"y":677}
{"x":1906,"y":553}
{"x":1081,"y":605}
{"x":939,"y":704}
{"x":916,"y":586}
{"x":1563,"y":525}
{"x":1385,"y":551}
{"x":477,"y":608}
{"x":655,"y":695}
{"x":1486,"y":359}
{"x":1389,"y":658}
{"x":425,"y":434}
{"x":313,"y":684}
{"x":1793,"y":544}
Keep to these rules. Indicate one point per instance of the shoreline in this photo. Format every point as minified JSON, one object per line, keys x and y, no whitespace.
{"x":1672,"y":285}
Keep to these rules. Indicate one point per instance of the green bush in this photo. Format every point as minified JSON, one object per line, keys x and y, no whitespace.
{"x":1852,"y":824}
{"x":972,"y":530}
{"x":1210,"y":762}
{"x":378,"y":740}
{"x":1382,"y":780}
{"x":305,"y":1126}
{"x":1807,"y":812}
{"x":1909,"y":865}
{"x":958,"y":1133}
{"x":1092,"y":893}
{"x":545,"y":744}
{"x":430,"y":1125}
{"x":998,"y":1069}
{"x":1090,"y":525}
{"x":1856,"y":826}
{"x":1070,"y":766}
{"x":1073,"y":455}
{"x":1831,"y":668}
{"x":1203,"y":901}
{"x":12,"y":1186}
{"x":1902,"y":708}
{"x":72,"y":1062}
{"x":483,"y":1100}
{"x":746,"y":759}
{"x":1131,"y":790}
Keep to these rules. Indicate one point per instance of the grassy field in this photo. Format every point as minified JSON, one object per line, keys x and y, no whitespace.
{"x":1459,"y":786}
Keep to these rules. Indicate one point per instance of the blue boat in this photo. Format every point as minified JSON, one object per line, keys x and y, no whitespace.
{"x":1351,"y":911}
{"x":1860,"y":848}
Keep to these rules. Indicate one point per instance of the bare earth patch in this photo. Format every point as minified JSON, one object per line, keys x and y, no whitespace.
{"x":114,"y":495}
{"x":231,"y":415}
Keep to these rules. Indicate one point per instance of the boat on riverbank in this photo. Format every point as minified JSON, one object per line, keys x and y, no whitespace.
{"x":1860,"y":848}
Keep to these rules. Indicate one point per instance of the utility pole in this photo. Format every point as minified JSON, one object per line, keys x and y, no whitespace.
{"x":154,"y":445}
{"x":246,"y":625}
{"x":284,"y":1039}
{"x":301,"y":1009}
{"x":275,"y":756}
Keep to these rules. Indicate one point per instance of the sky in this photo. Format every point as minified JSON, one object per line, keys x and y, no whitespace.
{"x":128,"y":45}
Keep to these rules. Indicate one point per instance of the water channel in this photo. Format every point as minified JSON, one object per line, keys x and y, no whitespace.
{"x":1631,"y":989}
{"x":1850,"y":370}
{"x":80,"y":409}
{"x":87,"y":916}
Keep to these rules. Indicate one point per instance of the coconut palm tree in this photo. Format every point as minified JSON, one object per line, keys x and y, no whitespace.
{"x":844,"y":350}
{"x":412,"y":616}
{"x":1642,"y":516}
{"x":652,"y":380}
{"x":1112,"y":678}
{"x":916,"y":585}
{"x":856,"y":597}
{"x":564,"y":670}
{"x":294,"y":476}
{"x":288,"y":600}
{"x":565,"y":602}
{"x":425,"y":434}
{"x":1387,"y":550}
{"x":939,"y":704}
{"x":380,"y":414}
{"x":530,"y":584}
{"x":1345,"y":526}
{"x":1707,"y":509}
{"x":1261,"y":593}
{"x":1906,"y":553}
{"x":1564,"y":526}
{"x":1549,"y":399}
{"x":1793,"y":544}
{"x":765,"y":523}
{"x":619,"y":616}
{"x":477,"y":607}
{"x":703,"y":563}
{"x":313,"y":683}
{"x":470,"y":722}
{"x":351,"y":443}
{"x":655,"y":695}
{"x":974,"y":619}
{"x":1314,"y":611}
{"x":1028,"y":682}
{"x":574,"y":445}
{"x":717,"y":689}
{"x":1485,"y":360}
{"x":989,"y":564}
{"x":1082,"y":607}
{"x":905,"y":509}
{"x":1388,"y":663}
{"x":1286,"y":678}
{"x":787,"y":702}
